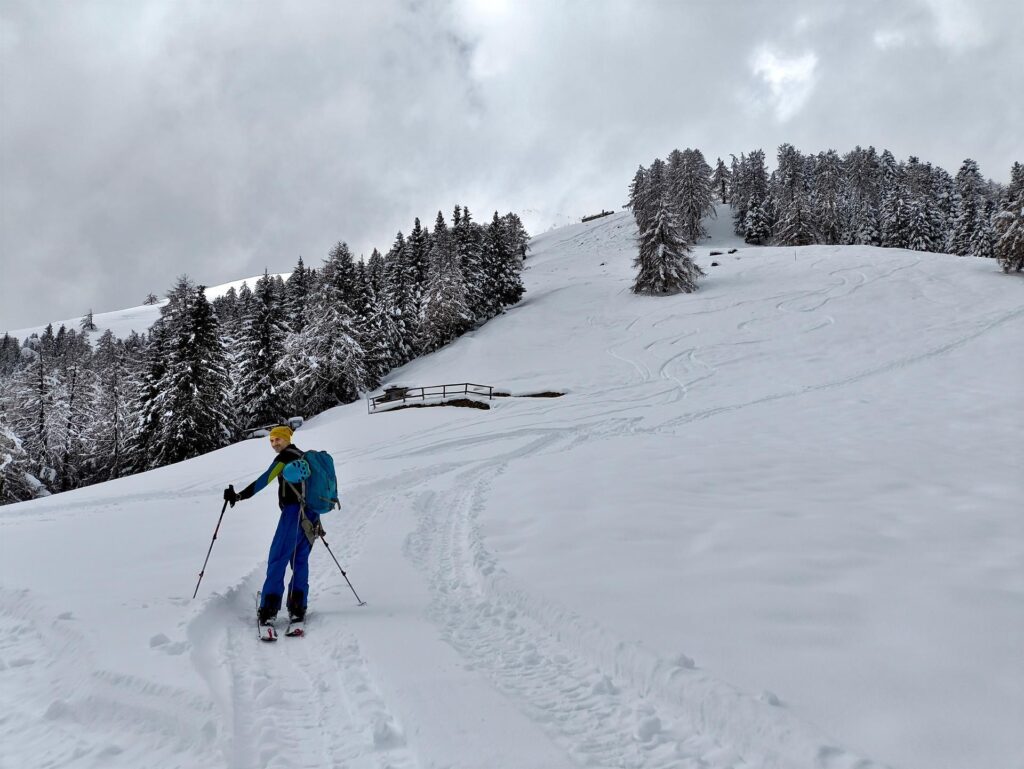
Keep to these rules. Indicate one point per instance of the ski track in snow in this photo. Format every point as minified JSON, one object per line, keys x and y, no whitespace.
{"x":301,"y":702}
{"x":78,"y":716}
{"x":604,"y":701}
{"x":298,"y":702}
{"x":609,"y":703}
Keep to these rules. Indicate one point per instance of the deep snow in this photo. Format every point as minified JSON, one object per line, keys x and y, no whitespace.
{"x":772,"y":524}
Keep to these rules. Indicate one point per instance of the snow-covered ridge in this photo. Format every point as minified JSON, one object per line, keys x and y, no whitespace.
{"x":774,"y":523}
{"x":123,"y":322}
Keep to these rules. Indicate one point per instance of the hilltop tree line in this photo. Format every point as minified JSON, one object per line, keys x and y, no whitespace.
{"x":861,"y":198}
{"x":73,"y":413}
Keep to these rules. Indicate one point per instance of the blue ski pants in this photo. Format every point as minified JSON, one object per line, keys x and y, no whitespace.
{"x":289,"y":547}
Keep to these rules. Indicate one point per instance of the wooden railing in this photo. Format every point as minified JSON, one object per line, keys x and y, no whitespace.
{"x":407,"y":395}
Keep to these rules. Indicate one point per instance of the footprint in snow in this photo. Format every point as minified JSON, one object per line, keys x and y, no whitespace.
{"x":770,"y":698}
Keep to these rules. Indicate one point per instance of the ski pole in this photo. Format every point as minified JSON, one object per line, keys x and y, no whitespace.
{"x":302,"y":503}
{"x":201,"y":573}
{"x":361,"y":601}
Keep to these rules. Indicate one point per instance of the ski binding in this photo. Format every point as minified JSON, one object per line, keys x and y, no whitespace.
{"x":267,"y":632}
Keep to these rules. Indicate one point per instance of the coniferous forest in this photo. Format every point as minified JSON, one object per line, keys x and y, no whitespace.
{"x":861,"y":198}
{"x":77,"y":409}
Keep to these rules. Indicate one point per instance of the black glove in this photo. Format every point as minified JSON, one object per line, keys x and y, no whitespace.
{"x":230,"y":496}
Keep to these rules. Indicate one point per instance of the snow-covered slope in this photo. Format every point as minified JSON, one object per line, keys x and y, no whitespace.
{"x":123,"y":322}
{"x":772,"y":524}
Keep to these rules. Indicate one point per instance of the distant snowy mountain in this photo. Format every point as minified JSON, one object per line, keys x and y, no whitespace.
{"x":775,"y":523}
{"x":123,"y":322}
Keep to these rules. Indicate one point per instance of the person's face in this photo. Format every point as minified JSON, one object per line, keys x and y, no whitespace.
{"x":278,"y":444}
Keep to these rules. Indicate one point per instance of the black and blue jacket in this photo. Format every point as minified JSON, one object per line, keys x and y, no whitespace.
{"x":285,"y":494}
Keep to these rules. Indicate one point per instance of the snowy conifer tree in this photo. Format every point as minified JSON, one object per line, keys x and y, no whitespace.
{"x":375,"y":273}
{"x":663,"y":262}
{"x":740,"y":203}
{"x":467,"y":238}
{"x":76,"y":398}
{"x":506,"y":259}
{"x":943,"y":188}
{"x":750,"y":189}
{"x":381,"y":341}
{"x":827,"y":197}
{"x":516,"y":236}
{"x":35,"y":410}
{"x":689,"y":180}
{"x":324,"y":364}
{"x":638,"y":194}
{"x":297,"y":290}
{"x":396,"y":298}
{"x":363,"y":305}
{"x":895,"y":216}
{"x":795,"y":222}
{"x":862,"y":179}
{"x":967,"y":207}
{"x":759,"y":224}
{"x":147,"y":399}
{"x":10,"y":355}
{"x":195,"y":389}
{"x":866,"y":222}
{"x":721,"y":181}
{"x":1009,"y":224}
{"x":446,"y":310}
{"x":108,"y":433}
{"x":242,"y":306}
{"x":17,"y":481}
{"x":340,"y":270}
{"x":920,"y":235}
{"x":226,"y":307}
{"x":259,"y":348}
{"x":983,"y":244}
{"x":419,"y":265}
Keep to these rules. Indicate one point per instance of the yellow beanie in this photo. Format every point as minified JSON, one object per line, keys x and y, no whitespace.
{"x":282,"y":432}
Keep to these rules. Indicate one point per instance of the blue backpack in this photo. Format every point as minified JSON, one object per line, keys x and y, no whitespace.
{"x":316,"y":468}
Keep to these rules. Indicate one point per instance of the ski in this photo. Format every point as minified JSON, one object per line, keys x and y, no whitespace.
{"x":266,"y":631}
{"x":296,"y":629}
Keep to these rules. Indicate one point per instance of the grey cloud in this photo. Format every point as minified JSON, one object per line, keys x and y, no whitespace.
{"x":142,"y":140}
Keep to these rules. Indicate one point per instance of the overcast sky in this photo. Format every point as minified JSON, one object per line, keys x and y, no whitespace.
{"x":140,"y":140}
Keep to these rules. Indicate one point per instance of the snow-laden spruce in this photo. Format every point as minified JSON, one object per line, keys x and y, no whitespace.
{"x":286,"y":347}
{"x":1009,"y":224}
{"x":662,"y":262}
{"x":863,"y":198}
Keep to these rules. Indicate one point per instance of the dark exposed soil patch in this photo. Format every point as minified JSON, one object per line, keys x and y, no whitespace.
{"x":465,"y":403}
{"x":545,"y":394}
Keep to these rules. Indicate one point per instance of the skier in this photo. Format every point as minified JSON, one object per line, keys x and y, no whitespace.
{"x":291,"y":544}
